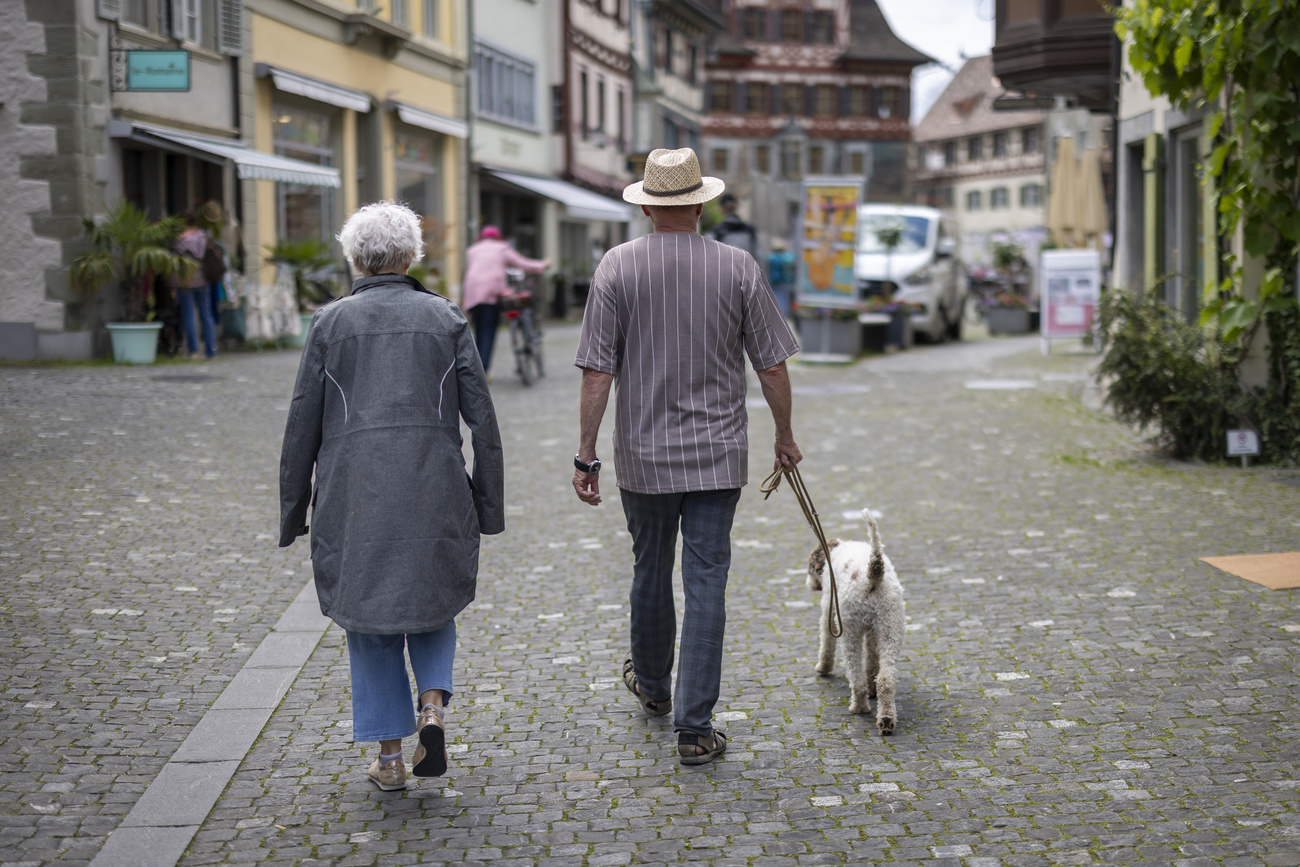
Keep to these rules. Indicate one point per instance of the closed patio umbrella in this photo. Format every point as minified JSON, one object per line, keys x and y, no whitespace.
{"x":1091,"y":201}
{"x":1063,"y":199}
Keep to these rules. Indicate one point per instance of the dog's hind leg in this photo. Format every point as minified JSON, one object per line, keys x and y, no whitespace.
{"x":873,"y":661}
{"x":826,"y":655}
{"x":886,"y":712}
{"x":855,"y":666}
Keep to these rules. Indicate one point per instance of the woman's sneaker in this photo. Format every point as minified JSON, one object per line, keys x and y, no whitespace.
{"x":390,"y":776}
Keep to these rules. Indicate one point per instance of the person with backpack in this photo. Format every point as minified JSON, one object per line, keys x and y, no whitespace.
{"x":195,"y":292}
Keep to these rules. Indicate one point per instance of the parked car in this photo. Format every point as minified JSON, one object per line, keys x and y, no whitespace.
{"x":921,"y":268}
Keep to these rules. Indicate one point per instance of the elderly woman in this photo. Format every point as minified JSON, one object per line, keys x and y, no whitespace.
{"x":486,"y":262}
{"x":386,"y":376}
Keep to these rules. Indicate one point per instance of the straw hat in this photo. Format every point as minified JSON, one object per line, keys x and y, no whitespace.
{"x":673,"y":178}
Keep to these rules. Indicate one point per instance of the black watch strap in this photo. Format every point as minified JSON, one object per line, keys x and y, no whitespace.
{"x":590,"y":468}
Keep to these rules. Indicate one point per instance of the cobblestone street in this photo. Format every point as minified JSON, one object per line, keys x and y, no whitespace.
{"x":1076,"y":687}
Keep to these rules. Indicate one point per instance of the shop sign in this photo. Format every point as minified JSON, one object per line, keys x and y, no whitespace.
{"x":158,"y":71}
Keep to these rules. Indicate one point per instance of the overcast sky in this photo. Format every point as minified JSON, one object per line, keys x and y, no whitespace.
{"x":947,"y":30}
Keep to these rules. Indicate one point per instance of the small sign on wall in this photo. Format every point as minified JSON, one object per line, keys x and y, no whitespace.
{"x":1242,"y":443}
{"x":158,"y":71}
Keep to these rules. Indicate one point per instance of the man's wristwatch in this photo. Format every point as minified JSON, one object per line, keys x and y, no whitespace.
{"x":590,"y":469}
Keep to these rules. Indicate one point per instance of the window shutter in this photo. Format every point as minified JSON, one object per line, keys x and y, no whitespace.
{"x":738,"y":98}
{"x":905,"y":103}
{"x":809,"y":28}
{"x":774,"y":25}
{"x":230,"y":27}
{"x":110,"y":9}
{"x":844,"y":100}
{"x":810,"y":100}
{"x":177,"y":8}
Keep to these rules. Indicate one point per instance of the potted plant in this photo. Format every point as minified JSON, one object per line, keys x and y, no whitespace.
{"x":830,"y":332}
{"x":127,"y":246}
{"x":305,"y":261}
{"x":1008,"y":313}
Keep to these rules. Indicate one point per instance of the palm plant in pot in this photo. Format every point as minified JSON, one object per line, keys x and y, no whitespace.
{"x":129,"y":247}
{"x":305,"y":260}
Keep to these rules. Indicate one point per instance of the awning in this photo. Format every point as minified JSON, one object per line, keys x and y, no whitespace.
{"x":580,"y":203}
{"x":452,"y":126}
{"x":292,"y":82}
{"x":249,"y":164}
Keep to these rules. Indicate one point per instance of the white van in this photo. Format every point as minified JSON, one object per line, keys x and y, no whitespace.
{"x":922,"y":268}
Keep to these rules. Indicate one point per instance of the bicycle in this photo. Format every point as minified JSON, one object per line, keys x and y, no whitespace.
{"x":525,"y":329}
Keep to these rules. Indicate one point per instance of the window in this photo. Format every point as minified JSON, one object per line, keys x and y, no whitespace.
{"x":304,"y":213}
{"x":584,"y":90}
{"x":1029,"y":140}
{"x":891,"y":103}
{"x":756,"y":97}
{"x":721,"y":96}
{"x":973,"y":200}
{"x":136,"y":12}
{"x":399,"y":12}
{"x":859,"y":100}
{"x":1031,"y":195}
{"x":753,"y":23}
{"x":600,"y":103}
{"x":763,"y":159}
{"x":1000,"y":144}
{"x":619,"y":117}
{"x":192,"y":21}
{"x":823,"y":28}
{"x":791,"y":25}
{"x":718,"y":159}
{"x":791,"y":159}
{"x":430,"y":23}
{"x":692,"y":63}
{"x":949,"y":154}
{"x":816,"y":160}
{"x":416,"y":159}
{"x":999,"y":199}
{"x":792,"y":99}
{"x":974,"y":149}
{"x":824,"y":100}
{"x":557,"y":108}
{"x":505,"y":86}
{"x":857,"y":163}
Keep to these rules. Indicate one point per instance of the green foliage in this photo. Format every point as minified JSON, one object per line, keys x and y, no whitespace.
{"x":1242,"y":59}
{"x":1279,"y":405}
{"x":304,"y":258}
{"x":710,"y":216}
{"x":127,"y":246}
{"x":1169,"y":377}
{"x":1007,"y":256}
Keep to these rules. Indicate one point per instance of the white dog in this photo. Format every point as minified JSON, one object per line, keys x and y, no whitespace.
{"x":871,"y":608}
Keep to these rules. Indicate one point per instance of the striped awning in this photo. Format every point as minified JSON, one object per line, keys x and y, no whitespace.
{"x":313,"y":88}
{"x":249,"y":164}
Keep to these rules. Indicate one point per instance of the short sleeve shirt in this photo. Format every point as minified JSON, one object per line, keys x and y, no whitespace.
{"x":672,"y":316}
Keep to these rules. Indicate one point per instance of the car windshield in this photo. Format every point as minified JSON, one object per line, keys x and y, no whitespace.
{"x":915,"y":231}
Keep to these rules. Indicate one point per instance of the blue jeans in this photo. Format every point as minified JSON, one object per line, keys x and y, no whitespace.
{"x":782,"y":293}
{"x":486,"y":318}
{"x":382,"y":706}
{"x":202,"y":298}
{"x":705,"y":519}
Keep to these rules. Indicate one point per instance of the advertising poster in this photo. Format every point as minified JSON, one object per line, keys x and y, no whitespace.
{"x":828,"y":238}
{"x":1070,"y":291}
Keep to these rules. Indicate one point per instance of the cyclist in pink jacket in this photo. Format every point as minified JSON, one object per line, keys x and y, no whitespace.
{"x":485,"y":283}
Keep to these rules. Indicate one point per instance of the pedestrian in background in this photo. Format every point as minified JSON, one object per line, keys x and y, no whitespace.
{"x":194,"y":293}
{"x":385,"y":378}
{"x":733,"y":230}
{"x":780,"y":273}
{"x":670,"y":318}
{"x":485,"y":282}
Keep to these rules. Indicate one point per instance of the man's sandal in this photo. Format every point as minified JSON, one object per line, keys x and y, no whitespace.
{"x":652,"y":708}
{"x":689,"y":745}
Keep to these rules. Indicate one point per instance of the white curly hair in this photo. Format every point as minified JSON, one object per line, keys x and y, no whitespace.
{"x":384,"y":236}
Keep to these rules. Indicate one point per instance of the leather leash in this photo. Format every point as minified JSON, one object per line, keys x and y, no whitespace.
{"x":770,"y":484}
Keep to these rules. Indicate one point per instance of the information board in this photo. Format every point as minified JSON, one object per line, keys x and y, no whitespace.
{"x":1069,"y":290}
{"x":166,"y":71}
{"x":828,"y":235}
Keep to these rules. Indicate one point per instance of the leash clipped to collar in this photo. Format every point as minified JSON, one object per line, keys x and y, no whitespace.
{"x":770,"y":484}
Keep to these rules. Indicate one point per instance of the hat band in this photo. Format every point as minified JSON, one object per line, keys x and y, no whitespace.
{"x":665,"y":193}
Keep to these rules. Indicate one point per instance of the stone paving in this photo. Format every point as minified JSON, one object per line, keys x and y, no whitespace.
{"x":1076,"y":687}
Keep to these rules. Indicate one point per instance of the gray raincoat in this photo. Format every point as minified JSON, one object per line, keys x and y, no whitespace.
{"x":384,"y":380}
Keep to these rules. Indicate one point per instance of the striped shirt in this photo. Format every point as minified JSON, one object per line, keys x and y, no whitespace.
{"x":669,"y":315}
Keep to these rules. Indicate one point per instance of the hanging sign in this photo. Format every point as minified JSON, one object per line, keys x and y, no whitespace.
{"x":828,"y":235}
{"x":158,"y":71}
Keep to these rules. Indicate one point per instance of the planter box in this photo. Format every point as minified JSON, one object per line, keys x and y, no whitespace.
{"x":830,"y":339}
{"x":1008,"y":320}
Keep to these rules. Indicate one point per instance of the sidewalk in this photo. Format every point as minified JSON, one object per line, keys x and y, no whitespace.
{"x":1076,"y":687}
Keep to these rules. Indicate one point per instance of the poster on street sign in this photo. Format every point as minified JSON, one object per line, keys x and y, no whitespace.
{"x":1069,"y":290}
{"x":1242,"y":442}
{"x":828,"y":235}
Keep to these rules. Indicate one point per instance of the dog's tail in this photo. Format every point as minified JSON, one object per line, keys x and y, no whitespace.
{"x":876,"y":565}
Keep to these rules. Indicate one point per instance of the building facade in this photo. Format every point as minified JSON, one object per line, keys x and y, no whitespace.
{"x":815,"y":87}
{"x":286,"y":113}
{"x":985,"y":168}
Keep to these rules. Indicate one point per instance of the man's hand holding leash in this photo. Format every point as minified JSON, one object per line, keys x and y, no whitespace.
{"x":776,"y":391}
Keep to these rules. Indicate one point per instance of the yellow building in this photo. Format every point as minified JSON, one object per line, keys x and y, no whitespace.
{"x":376,"y":90}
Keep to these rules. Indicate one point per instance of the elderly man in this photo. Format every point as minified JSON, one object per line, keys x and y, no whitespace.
{"x":669,"y":318}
